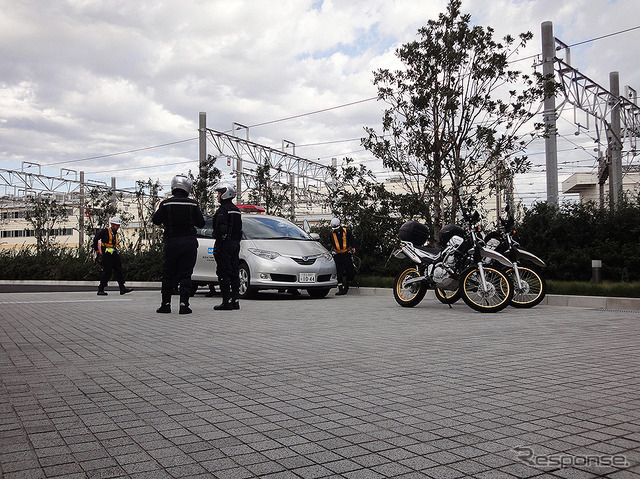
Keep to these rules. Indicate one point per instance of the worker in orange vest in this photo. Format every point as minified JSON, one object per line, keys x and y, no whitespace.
{"x":105,"y":243}
{"x":343,"y":245}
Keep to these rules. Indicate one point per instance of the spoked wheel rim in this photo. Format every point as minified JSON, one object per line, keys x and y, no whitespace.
{"x":530,"y":291}
{"x":408,"y":295}
{"x":243,"y":275}
{"x":407,"y":292}
{"x":497,"y":295}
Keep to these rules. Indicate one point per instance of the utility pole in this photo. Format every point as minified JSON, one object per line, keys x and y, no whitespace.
{"x":549,"y":115}
{"x":615,"y":176}
{"x":114,"y":197}
{"x":81,"y":215}
{"x":202,"y":138}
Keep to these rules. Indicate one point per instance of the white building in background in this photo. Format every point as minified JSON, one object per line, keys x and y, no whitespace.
{"x":586,"y":185}
{"x":17,"y":232}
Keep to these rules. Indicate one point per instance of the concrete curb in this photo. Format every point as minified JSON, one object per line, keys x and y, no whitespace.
{"x":592,"y":302}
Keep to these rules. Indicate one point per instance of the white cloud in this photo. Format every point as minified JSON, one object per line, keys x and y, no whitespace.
{"x":86,"y":78}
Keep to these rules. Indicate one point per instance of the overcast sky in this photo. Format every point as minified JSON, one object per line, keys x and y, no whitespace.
{"x":81,"y":79}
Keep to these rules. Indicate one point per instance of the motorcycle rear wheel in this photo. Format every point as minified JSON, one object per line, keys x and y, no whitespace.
{"x":447,"y":297}
{"x":405,"y":295}
{"x":532,"y":290}
{"x":498,"y":296}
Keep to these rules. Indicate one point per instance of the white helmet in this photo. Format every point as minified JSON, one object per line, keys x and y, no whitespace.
{"x":115,"y":221}
{"x":335,"y":223}
{"x":181,"y":182}
{"x":227,"y":190}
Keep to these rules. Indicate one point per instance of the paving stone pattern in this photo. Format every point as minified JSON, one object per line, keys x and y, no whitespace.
{"x":353,"y":386}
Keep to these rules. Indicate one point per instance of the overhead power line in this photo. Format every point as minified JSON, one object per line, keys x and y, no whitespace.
{"x":120,"y":153}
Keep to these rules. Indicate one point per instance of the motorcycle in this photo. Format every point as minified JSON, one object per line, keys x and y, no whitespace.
{"x":529,"y":287}
{"x":458,"y":266}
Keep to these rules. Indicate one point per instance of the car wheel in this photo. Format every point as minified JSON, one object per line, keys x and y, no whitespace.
{"x":318,"y":293}
{"x":245,"y":291}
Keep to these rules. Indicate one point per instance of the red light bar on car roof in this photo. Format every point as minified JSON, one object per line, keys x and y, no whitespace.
{"x":251,"y":209}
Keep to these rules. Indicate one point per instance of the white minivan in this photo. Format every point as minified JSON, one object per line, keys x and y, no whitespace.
{"x":274,"y":254}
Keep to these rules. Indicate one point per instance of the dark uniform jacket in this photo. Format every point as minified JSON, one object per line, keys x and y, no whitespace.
{"x":227,"y":222}
{"x":180,"y":216}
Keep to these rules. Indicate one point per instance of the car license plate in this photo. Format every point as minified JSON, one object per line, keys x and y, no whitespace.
{"x":307,"y":278}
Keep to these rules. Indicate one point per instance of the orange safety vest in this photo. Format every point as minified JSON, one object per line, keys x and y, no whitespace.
{"x":113,"y":243}
{"x":336,"y":242}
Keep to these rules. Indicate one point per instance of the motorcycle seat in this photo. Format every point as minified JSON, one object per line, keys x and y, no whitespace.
{"x":428,"y":250}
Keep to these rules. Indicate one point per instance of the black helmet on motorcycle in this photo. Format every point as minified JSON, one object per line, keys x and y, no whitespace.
{"x":449,"y":231}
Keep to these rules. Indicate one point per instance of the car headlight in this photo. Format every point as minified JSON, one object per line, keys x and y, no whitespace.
{"x":265,"y":254}
{"x":327,"y":258}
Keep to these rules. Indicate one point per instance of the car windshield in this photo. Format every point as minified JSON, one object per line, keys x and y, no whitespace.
{"x":261,"y":227}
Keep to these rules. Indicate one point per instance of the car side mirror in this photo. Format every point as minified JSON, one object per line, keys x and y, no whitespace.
{"x":314,"y":236}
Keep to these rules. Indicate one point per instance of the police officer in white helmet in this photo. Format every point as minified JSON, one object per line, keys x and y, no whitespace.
{"x":180,"y":215}
{"x":227,"y":230}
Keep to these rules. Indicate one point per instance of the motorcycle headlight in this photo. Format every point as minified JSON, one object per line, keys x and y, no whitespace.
{"x":265,"y":254}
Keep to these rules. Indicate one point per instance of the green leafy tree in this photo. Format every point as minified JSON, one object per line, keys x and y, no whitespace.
{"x":274,"y":195}
{"x":44,"y":213}
{"x":372,"y":212}
{"x":455,"y":110}
{"x":204,"y":183}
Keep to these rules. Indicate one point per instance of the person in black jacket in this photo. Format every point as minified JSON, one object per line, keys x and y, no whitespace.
{"x":105,"y":243}
{"x":179,"y":215}
{"x":227,"y":231}
{"x":343,"y":244}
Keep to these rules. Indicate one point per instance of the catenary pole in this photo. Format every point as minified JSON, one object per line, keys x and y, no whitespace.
{"x":615,"y":177}
{"x":549,"y":115}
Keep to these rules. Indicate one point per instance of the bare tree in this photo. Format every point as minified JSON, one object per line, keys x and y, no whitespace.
{"x":44,"y":214}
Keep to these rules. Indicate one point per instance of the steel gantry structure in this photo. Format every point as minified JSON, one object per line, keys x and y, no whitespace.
{"x":308,"y":181}
{"x":616,"y":116}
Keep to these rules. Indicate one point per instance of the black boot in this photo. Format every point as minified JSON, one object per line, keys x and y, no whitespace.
{"x":225,"y":290}
{"x":124,"y":290}
{"x":341,"y":290}
{"x":184,"y":301}
{"x":226,"y":306}
{"x":165,"y":306}
{"x":102,"y":292}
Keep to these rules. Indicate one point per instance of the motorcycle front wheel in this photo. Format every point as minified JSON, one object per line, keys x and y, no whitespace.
{"x":447,"y":297}
{"x":408,"y":295}
{"x":497,"y":296}
{"x":531,"y":290}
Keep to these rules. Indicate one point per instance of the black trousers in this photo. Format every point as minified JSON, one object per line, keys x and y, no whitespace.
{"x":227,"y":256}
{"x":344,"y":266}
{"x":178,"y":259}
{"x":111,"y":264}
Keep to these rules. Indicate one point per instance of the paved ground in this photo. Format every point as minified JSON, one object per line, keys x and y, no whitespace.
{"x":353,"y":387}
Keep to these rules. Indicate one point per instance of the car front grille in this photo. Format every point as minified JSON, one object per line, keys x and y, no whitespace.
{"x":305,"y":262}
